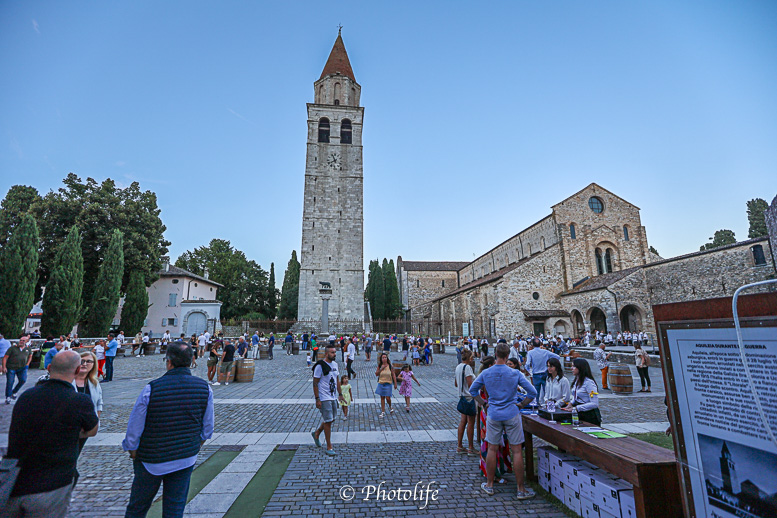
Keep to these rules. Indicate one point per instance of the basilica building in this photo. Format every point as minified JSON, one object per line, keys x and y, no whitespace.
{"x":586,"y":266}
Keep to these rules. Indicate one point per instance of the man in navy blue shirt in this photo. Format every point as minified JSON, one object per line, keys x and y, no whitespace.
{"x":110,"y":355}
{"x":289,"y":342}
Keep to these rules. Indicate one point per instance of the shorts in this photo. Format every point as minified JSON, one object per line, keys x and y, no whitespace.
{"x":328,"y":410}
{"x":212,"y":362}
{"x":226,"y":366}
{"x":513,"y":428}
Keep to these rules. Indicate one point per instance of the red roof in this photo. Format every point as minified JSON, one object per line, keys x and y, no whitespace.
{"x":338,"y":62}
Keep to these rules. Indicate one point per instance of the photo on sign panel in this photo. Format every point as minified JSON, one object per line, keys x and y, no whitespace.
{"x":739,"y":479}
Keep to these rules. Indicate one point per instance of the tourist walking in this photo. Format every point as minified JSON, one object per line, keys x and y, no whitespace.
{"x":368,"y":347}
{"x":270,"y":345}
{"x":345,"y":390}
{"x":462,"y":379}
{"x":556,"y":386}
{"x":193,"y":344}
{"x":428,"y":357}
{"x":202,"y":341}
{"x":86,"y":383}
{"x":51,"y":353}
{"x":46,"y":424}
{"x":305,"y":341}
{"x":99,"y":353}
{"x":350,"y":357}
{"x":16,"y":362}
{"x":386,"y":346}
{"x":110,"y":355}
{"x":314,"y":347}
{"x":585,"y":393}
{"x":642,"y":360}
{"x":504,"y":416}
{"x":326,"y":389}
{"x":386,"y":379}
{"x":406,"y":388}
{"x":227,"y":360}
{"x":170,"y":420}
{"x":288,"y":343}
{"x":213,"y":361}
{"x":537,"y":364}
{"x":602,"y":361}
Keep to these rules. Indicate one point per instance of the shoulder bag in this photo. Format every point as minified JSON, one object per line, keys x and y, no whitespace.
{"x":466,"y":406}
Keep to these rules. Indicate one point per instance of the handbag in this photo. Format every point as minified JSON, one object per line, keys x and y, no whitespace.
{"x":9,"y":471}
{"x":466,"y":406}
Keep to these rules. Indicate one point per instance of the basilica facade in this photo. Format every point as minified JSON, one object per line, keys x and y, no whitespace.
{"x":586,"y":266}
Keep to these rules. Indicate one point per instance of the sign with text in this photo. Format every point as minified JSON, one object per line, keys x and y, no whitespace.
{"x":465,"y":329}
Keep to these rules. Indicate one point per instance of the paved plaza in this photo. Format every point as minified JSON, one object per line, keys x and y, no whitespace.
{"x":275,"y":414}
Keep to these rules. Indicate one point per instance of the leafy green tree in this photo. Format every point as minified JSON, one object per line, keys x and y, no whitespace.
{"x":272,"y":294}
{"x":17,"y":202}
{"x":755,"y":217}
{"x":135,"y":309}
{"x":98,"y":209}
{"x":393,"y":308}
{"x":244,"y":281}
{"x":721,"y":238}
{"x":62,"y":301}
{"x":107,"y":290}
{"x":652,"y":249}
{"x":290,"y":290}
{"x":18,"y":267}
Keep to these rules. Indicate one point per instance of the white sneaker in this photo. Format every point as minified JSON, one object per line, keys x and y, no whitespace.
{"x":216,"y":383}
{"x":227,"y":383}
{"x":7,"y":401}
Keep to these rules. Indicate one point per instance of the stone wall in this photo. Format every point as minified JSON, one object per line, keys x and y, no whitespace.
{"x":710,"y":274}
{"x":423,"y":286}
{"x":771,"y":224}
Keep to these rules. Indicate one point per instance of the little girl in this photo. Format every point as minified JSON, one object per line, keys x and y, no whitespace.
{"x":416,"y":355}
{"x":406,"y":389}
{"x":345,"y":388}
{"x":99,"y":352}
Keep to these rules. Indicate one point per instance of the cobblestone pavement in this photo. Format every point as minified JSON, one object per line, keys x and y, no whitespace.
{"x":280,"y":400}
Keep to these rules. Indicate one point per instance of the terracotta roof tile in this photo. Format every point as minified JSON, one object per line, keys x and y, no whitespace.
{"x":338,"y":61}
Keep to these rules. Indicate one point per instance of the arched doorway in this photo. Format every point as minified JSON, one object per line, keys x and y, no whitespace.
{"x":631,"y":319}
{"x":598,"y":320}
{"x":577,"y":323}
{"x":196,"y":323}
{"x":560,"y":328}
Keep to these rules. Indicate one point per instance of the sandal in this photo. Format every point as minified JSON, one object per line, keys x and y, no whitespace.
{"x":471,"y":452}
{"x":461,"y":450}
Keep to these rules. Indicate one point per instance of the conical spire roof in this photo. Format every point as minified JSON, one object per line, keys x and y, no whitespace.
{"x":338,"y":61}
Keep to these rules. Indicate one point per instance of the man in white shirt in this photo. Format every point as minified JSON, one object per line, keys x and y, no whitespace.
{"x":120,"y":339}
{"x":326,"y":389}
{"x":146,"y":341}
{"x":201,"y":342}
{"x":350,"y":357}
{"x":166,"y":337}
{"x":608,"y":338}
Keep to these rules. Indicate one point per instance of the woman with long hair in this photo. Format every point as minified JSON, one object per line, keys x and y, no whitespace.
{"x":86,"y":383}
{"x":585,"y":393}
{"x":503,"y":464}
{"x":556,"y":386}
{"x":462,"y":379}
{"x":642,"y":360}
{"x":386,"y":379}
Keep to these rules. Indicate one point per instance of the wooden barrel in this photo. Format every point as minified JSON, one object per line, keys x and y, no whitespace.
{"x":394,"y":346}
{"x":439,"y":348}
{"x":619,"y":379}
{"x":244,"y":373}
{"x":149,"y":348}
{"x":223,"y":376}
{"x":568,"y":363}
{"x":264,"y":352}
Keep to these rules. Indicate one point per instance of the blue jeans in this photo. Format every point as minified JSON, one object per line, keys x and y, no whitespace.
{"x":9,"y":378}
{"x":145,"y":486}
{"x":538,"y":380}
{"x":109,"y":368}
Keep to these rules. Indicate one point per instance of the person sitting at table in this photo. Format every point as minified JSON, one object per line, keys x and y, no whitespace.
{"x":556,"y":386}
{"x":585,"y":393}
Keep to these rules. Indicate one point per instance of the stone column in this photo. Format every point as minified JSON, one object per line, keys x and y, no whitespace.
{"x":326,"y":294}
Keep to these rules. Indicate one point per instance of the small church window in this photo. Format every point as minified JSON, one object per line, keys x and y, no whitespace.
{"x":625,"y":233}
{"x":608,"y":260}
{"x":337,"y":102}
{"x":758,"y":255}
{"x":599,"y":262}
{"x":443,"y":283}
{"x":572,"y":231}
{"x":346,"y":133}
{"x":323,"y":130}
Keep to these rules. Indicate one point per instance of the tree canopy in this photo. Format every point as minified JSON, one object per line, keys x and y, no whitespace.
{"x":245,"y":282}
{"x":755,"y":217}
{"x":722,"y":237}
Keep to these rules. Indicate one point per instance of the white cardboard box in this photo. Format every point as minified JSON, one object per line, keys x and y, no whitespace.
{"x":588,"y":508}
{"x":589,"y":484}
{"x":605,"y":514}
{"x":572,"y":500}
{"x":557,"y":459}
{"x":608,"y":495}
{"x":545,"y":481}
{"x":576,"y":471}
{"x":557,"y":487}
{"x":628,"y":507}
{"x":542,"y":457}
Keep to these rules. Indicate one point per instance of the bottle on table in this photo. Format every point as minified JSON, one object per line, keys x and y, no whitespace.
{"x":575,"y":418}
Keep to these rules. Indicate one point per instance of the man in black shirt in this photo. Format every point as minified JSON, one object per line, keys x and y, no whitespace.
{"x":46,"y":424}
{"x":227,"y":360}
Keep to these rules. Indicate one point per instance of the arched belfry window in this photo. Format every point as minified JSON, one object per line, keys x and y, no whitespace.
{"x":599,"y":262}
{"x":323,"y":130}
{"x":346,"y":133}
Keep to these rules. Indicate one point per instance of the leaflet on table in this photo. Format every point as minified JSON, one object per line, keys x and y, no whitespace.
{"x":731,"y":460}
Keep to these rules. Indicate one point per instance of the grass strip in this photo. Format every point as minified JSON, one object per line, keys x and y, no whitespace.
{"x":657,"y":438}
{"x":260,"y":489}
{"x":201,"y":477}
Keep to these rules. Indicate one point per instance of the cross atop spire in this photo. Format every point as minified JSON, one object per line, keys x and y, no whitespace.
{"x":338,"y":59}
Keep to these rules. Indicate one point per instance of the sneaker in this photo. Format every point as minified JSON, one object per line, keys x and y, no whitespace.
{"x":13,"y":396}
{"x":382,"y":414}
{"x":227,"y":383}
{"x":331,"y":453}
{"x":7,"y":401}
{"x":216,"y":383}
{"x":315,"y":439}
{"x":391,"y":410}
{"x":525,"y":494}
{"x":345,"y":417}
{"x":487,"y":490}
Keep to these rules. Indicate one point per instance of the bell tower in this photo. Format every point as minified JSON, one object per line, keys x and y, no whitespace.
{"x":332,"y":217}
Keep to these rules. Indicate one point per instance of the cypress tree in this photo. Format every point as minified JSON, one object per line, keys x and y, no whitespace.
{"x":62,"y":299}
{"x":18,"y":276}
{"x":135,"y":309}
{"x":379,"y":313}
{"x":272,"y":294}
{"x":393,"y":306}
{"x":755,"y":217}
{"x":290,"y":289}
{"x":105,"y":300}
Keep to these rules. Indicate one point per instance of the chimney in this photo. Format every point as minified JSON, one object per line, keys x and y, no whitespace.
{"x":206,"y":274}
{"x":166,"y":263}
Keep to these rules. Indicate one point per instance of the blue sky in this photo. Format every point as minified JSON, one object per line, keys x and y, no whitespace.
{"x":478,"y":116}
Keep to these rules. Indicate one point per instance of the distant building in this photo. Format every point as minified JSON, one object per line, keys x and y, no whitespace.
{"x":33,"y":319}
